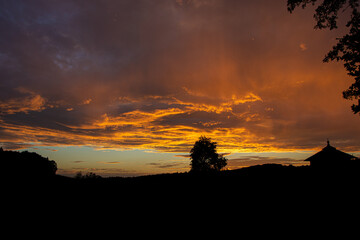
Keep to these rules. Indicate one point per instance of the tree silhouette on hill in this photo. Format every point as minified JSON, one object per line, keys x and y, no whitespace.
{"x":204,"y":156}
{"x":26,"y":164}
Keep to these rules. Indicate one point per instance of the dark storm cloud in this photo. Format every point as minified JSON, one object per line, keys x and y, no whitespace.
{"x":155,"y":74}
{"x":166,"y":165}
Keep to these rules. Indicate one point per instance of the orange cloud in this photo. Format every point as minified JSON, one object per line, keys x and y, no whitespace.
{"x":169,"y":130}
{"x":139,"y":75}
{"x":34,"y":102}
{"x":303,"y":46}
{"x":87,"y":101}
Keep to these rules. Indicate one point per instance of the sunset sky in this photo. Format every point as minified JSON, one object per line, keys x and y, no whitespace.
{"x":125,"y":87}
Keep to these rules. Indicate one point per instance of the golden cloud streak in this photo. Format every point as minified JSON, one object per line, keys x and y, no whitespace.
{"x":135,"y":118}
{"x":142,"y":134}
{"x":225,"y":106}
{"x":152,"y":130}
{"x":31,"y":103}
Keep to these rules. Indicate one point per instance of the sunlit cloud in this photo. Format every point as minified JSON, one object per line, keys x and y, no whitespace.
{"x":87,"y":101}
{"x":26,"y":104}
{"x":111,"y":162}
{"x":78,"y":161}
{"x":303,"y":46}
{"x":156,"y":75}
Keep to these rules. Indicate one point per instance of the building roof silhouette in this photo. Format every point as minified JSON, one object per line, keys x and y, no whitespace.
{"x":330,"y":154}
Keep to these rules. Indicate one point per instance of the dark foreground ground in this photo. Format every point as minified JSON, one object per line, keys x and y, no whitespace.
{"x":260,"y":201}
{"x":269,"y":181}
{"x":265,"y":201}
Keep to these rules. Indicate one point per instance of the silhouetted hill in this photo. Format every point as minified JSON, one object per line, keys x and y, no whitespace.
{"x":270,"y":181}
{"x":268,"y":193}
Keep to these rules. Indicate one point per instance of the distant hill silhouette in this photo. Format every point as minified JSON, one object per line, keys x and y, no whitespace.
{"x":255,"y":182}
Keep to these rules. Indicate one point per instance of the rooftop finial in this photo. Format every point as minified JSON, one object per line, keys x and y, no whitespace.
{"x":328,"y":142}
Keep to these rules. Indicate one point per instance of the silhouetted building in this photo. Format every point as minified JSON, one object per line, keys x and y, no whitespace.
{"x":330,"y":157}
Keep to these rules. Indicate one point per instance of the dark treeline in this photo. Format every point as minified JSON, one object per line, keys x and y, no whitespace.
{"x":257,"y":182}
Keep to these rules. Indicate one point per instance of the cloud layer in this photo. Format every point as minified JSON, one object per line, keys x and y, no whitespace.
{"x":158,"y":74}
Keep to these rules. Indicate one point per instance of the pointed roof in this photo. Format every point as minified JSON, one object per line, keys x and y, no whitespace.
{"x":330,"y":153}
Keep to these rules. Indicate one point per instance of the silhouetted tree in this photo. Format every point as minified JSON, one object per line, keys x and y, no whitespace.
{"x":348,"y":47}
{"x":26,"y":164}
{"x":204,"y":157}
